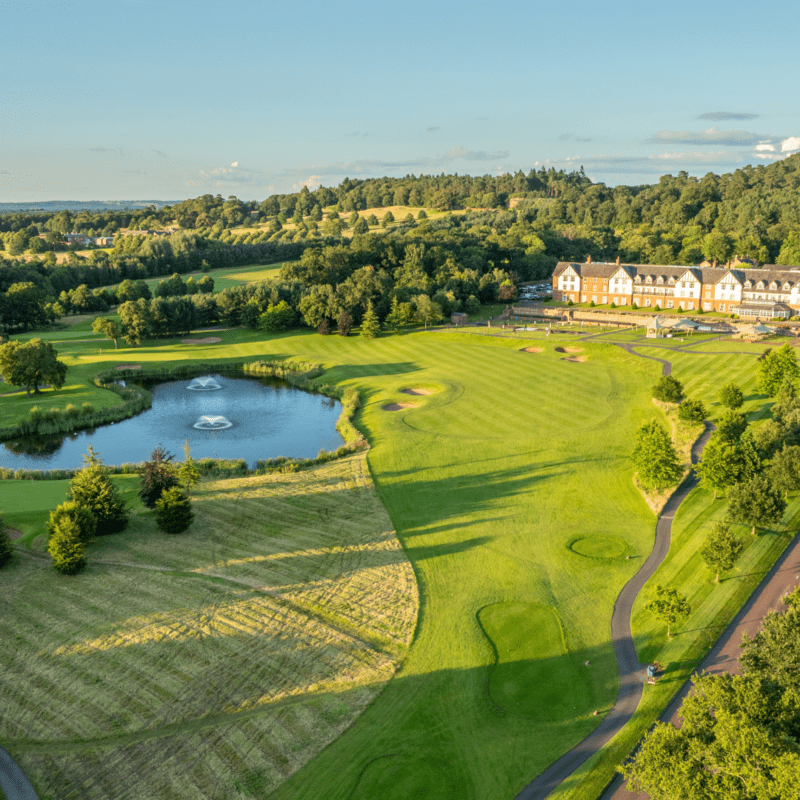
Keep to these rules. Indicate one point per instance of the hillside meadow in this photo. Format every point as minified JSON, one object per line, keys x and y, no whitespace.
{"x":507,"y":479}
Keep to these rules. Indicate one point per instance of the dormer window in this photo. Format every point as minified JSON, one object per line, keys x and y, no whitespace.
{"x":660,"y":279}
{"x":760,"y":285}
{"x":637,"y":279}
{"x":748,"y":284}
{"x":649,"y":279}
{"x":773,"y":285}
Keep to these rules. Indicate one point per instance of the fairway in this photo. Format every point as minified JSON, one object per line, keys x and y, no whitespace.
{"x":510,"y":487}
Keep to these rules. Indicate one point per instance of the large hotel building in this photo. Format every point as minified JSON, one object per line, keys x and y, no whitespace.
{"x":767,"y":293}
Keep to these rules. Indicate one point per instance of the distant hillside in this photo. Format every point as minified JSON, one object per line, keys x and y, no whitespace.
{"x":84,"y":205}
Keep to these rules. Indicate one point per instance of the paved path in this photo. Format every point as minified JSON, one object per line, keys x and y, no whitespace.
{"x":631,"y":672}
{"x":724,"y":656}
{"x":13,"y":780}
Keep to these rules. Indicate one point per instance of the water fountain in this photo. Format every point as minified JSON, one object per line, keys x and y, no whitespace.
{"x":208,"y":423}
{"x":204,"y":384}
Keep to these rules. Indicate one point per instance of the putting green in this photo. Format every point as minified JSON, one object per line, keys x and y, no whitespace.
{"x":599,"y":546}
{"x":533,"y":673}
{"x":422,"y":779}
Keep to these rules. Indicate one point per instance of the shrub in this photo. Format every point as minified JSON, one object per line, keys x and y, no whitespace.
{"x":324,"y":328}
{"x":66,"y":548}
{"x":174,"y":511}
{"x":87,"y":408}
{"x":158,"y":475}
{"x":692,"y":411}
{"x":71,"y":410}
{"x":731,"y":396}
{"x":345,"y":324}
{"x":83,"y":518}
{"x":668,"y":390}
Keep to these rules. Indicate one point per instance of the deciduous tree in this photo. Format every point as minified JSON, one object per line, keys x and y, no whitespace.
{"x":721,"y":549}
{"x":110,"y":328}
{"x":31,"y":364}
{"x":732,"y":425}
{"x":692,"y":411}
{"x":654,"y":457}
{"x":776,"y":367}
{"x":731,"y":396}
{"x":668,"y":605}
{"x":755,"y":502}
{"x":158,"y":474}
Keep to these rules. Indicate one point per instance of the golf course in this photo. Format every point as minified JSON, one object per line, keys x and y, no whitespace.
{"x":429,"y":618}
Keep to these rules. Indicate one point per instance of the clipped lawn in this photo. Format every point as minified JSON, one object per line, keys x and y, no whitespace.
{"x":209,"y":664}
{"x":510,"y":487}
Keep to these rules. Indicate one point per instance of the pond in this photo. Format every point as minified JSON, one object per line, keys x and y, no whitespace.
{"x":221,"y":415}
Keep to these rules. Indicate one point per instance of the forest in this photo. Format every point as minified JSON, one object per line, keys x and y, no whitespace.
{"x":487,"y":231}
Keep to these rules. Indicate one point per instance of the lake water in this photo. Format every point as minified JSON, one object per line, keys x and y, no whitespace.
{"x":267,"y":419}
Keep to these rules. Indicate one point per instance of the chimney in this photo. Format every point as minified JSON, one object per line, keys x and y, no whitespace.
{"x":617,"y":259}
{"x":588,"y":259}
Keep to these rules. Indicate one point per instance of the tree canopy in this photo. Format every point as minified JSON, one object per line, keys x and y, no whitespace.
{"x":31,"y":364}
{"x":654,"y":457}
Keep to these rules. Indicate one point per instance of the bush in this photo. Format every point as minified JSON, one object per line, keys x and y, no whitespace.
{"x":71,"y":410}
{"x":345,"y":324}
{"x":174,"y":511}
{"x":66,"y":548}
{"x":668,"y":390}
{"x":158,"y":475}
{"x":83,"y":518}
{"x":324,"y":328}
{"x":692,"y":411}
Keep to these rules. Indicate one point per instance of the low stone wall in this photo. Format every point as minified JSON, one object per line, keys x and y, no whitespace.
{"x":579,"y":315}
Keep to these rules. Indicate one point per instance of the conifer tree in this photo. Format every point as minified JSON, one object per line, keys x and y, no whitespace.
{"x":370,"y":326}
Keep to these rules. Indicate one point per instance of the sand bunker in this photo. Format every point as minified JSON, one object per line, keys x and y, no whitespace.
{"x":128,"y":366}
{"x":569,"y":349}
{"x":574,"y":358}
{"x":532,"y":350}
{"x":13,"y":533}
{"x":398,"y":406}
{"x":416,"y":391}
{"x":207,"y":340}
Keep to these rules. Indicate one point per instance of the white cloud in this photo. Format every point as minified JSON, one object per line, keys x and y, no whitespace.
{"x":732,"y":138}
{"x":475,"y":155}
{"x":235,"y":164}
{"x":767,"y":147}
{"x":313,"y":182}
{"x":792,"y":143}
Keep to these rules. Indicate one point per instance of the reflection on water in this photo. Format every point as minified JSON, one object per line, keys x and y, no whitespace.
{"x":243,"y":418}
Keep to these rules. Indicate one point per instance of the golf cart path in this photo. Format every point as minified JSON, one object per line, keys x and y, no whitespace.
{"x":631,"y":672}
{"x":13,"y":781}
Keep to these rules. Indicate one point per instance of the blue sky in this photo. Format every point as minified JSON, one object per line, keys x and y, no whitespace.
{"x":138,"y":99}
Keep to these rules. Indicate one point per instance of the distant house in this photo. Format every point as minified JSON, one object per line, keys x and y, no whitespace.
{"x":78,"y":238}
{"x":104,"y":241}
{"x":458,"y":318}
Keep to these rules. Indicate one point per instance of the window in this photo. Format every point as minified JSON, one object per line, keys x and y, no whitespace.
{"x":722,"y":307}
{"x":707,"y":306}
{"x":583,"y":298}
{"x":647,"y":301}
{"x":624,"y":301}
{"x":605,"y":299}
{"x":669,"y":303}
{"x":690,"y":306}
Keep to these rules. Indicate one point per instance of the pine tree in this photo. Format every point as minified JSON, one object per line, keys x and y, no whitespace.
{"x":188,"y":473}
{"x":82,"y":516}
{"x":92,"y":489}
{"x":174,"y":511}
{"x":66,"y":548}
{"x":370,"y":326}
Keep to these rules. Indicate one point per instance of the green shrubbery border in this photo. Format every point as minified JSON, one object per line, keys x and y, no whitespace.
{"x":301,"y":374}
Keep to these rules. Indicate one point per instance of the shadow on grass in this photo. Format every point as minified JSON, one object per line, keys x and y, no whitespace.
{"x":417,"y":742}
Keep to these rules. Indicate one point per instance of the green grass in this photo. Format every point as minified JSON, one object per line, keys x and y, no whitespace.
{"x":490,"y":481}
{"x":236,"y":650}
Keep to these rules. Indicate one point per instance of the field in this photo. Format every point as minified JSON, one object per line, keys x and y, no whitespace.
{"x":510,"y":488}
{"x":210,"y":663}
